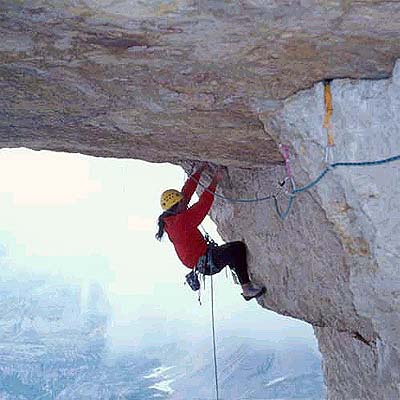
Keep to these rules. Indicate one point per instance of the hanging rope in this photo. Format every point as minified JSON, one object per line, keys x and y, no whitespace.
{"x":209,"y":240}
{"x":214,"y":341}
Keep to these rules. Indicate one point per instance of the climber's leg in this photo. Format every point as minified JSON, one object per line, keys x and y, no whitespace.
{"x":234,"y":254}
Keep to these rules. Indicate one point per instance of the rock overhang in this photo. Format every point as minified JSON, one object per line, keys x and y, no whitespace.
{"x":178,"y":80}
{"x":226,"y":82}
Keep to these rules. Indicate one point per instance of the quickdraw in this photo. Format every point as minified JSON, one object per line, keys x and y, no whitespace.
{"x":289,"y":177}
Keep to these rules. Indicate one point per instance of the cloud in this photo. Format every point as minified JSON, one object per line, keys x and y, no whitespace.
{"x":44,"y":178}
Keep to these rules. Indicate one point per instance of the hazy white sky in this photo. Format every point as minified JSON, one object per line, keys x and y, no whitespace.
{"x":90,"y":219}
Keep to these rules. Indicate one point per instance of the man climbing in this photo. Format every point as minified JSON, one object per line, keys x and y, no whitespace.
{"x":181,"y":224}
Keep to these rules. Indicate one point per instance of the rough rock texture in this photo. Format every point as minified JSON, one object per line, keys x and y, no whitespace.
{"x":346,"y":230}
{"x":225,"y":81}
{"x":159,"y":80}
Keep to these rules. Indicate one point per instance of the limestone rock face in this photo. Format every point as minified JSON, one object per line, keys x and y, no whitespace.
{"x":344,"y":235}
{"x":179,"y":79}
{"x":225,"y":82}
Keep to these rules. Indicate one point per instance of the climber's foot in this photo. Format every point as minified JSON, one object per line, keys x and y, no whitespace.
{"x":253,"y":292}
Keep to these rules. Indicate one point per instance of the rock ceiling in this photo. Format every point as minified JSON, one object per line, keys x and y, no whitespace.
{"x":177,"y":80}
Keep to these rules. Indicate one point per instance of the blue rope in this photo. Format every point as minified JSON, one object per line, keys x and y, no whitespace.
{"x":314,"y":182}
{"x":330,"y":167}
{"x":345,"y":164}
{"x":283,"y":215}
{"x":366,"y":163}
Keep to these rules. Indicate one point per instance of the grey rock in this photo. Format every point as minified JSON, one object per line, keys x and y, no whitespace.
{"x":226,"y":82}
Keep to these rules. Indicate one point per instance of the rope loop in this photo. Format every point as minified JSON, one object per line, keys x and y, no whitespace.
{"x":291,"y":196}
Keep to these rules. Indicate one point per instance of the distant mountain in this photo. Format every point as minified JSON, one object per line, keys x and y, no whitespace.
{"x":53,"y":346}
{"x":247,"y":369}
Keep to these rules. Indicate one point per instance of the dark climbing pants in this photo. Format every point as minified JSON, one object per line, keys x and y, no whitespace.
{"x":233,"y":254}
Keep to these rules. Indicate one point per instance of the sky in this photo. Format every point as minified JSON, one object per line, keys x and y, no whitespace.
{"x":85,"y":219}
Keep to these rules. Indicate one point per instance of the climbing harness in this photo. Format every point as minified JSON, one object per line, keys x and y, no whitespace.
{"x":211,"y":243}
{"x":327,"y":124}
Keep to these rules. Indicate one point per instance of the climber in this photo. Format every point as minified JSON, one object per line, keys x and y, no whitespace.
{"x":181,"y":224}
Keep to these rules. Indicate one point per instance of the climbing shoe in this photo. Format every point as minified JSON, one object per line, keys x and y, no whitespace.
{"x":253,"y":292}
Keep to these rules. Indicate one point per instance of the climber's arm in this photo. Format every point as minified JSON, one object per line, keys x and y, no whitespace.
{"x":191,"y":183}
{"x":196,"y":214}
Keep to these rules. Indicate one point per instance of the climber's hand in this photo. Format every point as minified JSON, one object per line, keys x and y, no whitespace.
{"x":219,"y":174}
{"x":201,"y":166}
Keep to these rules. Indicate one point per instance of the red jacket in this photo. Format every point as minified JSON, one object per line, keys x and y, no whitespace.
{"x":182,"y":228}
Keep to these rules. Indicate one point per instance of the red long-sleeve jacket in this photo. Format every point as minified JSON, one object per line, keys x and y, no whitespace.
{"x":182,"y":229}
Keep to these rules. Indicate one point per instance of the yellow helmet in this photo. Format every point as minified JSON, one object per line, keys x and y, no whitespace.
{"x":169,"y":198}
